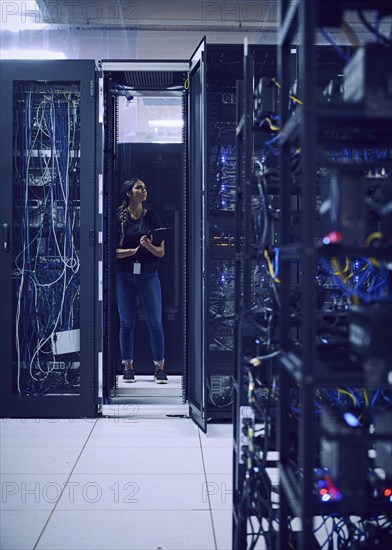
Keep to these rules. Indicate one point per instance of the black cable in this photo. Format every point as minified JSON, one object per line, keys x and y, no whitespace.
{"x":373,"y":30}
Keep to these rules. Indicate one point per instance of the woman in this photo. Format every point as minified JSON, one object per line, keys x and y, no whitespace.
{"x":138,"y":254}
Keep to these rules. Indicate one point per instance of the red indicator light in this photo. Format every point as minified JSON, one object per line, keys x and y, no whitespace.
{"x":324,"y":491}
{"x":333,"y":237}
{"x":387,"y":492}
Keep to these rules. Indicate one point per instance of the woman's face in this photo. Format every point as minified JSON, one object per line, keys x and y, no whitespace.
{"x":138,"y":191}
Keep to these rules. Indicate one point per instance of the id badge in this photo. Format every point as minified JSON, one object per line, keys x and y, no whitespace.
{"x":137,"y":268}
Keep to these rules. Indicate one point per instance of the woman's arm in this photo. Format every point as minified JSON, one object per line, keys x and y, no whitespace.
{"x":158,"y":251}
{"x":125,"y":252}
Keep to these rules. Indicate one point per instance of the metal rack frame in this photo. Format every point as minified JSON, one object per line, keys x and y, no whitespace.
{"x":305,"y":367}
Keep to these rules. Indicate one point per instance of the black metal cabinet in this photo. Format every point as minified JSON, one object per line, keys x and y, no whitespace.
{"x":338,"y":140}
{"x":212,"y":180}
{"x":213,"y":74}
{"x":47,"y":213}
{"x":196,"y":252}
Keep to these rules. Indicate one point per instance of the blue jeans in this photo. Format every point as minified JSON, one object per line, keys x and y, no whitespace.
{"x":148,"y":286}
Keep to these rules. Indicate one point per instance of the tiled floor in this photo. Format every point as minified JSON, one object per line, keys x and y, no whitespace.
{"x":135,"y":479}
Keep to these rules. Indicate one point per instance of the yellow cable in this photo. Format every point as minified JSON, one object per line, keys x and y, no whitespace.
{"x":365,"y":395}
{"x":339,"y":271}
{"x":372,"y":237}
{"x":270,"y":268}
{"x":292,"y":97}
{"x":186,"y":84}
{"x":296,"y":100}
{"x":374,"y":262}
{"x":271,"y":125}
{"x":341,"y":390}
{"x":336,"y":265}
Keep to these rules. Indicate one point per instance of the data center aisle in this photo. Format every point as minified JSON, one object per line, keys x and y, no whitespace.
{"x":136,"y":479}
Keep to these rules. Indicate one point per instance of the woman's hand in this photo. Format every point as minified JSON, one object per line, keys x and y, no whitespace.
{"x":145,"y":241}
{"x":158,"y":251}
{"x":125,"y":252}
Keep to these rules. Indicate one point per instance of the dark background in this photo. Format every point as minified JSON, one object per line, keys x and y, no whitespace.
{"x":160,"y":167}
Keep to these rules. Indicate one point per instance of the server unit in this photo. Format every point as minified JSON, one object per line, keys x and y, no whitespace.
{"x":213,"y":189}
{"x":47,"y":211}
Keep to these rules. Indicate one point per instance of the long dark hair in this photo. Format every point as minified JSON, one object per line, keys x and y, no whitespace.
{"x":122,"y":210}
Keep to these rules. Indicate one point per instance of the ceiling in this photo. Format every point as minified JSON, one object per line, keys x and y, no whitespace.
{"x":165,"y":28}
{"x":233,"y":16}
{"x":162,"y":14}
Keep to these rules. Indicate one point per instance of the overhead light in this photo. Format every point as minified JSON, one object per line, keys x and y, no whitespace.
{"x":21,"y":16}
{"x":162,"y":123}
{"x":31,"y":54}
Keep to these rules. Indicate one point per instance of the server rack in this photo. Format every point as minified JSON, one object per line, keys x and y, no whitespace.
{"x":257,"y":304}
{"x":48,"y":276}
{"x":326,"y":365}
{"x":330,"y":366}
{"x":214,"y":72}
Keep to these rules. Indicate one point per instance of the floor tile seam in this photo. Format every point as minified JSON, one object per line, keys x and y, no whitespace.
{"x":191,"y":444}
{"x":127,"y":509}
{"x":136,"y":420}
{"x":29,"y":511}
{"x":134,"y":424}
{"x":142,"y":473}
{"x":135,"y":446}
{"x":150,"y":446}
{"x":68,"y":510}
{"x":133,"y":473}
{"x":208,"y":496}
{"x":62,"y":492}
{"x":147,"y":417}
{"x":40,"y":446}
{"x":229,"y":445}
{"x":36,"y":473}
{"x":209,"y":473}
{"x":102,"y":473}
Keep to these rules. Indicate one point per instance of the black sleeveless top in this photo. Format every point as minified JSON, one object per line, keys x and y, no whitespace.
{"x":134,"y":230}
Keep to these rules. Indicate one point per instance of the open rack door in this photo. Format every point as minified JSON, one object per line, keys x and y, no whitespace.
{"x":47,"y":214}
{"x":143,"y":104}
{"x":196,"y":260}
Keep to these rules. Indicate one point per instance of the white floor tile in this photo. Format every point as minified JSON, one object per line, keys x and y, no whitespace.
{"x":41,"y":431}
{"x":138,"y":468}
{"x":222,"y":521}
{"x":218,"y":435}
{"x":140,"y":460}
{"x":124,"y":531}
{"x":145,"y":433}
{"x":218,"y":460}
{"x":219,"y":491}
{"x":134,"y":492}
{"x":38,"y":460}
{"x":31,"y":492}
{"x":20,"y":530}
